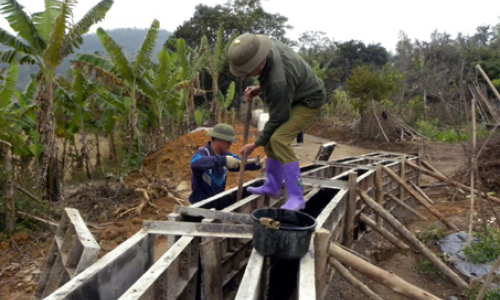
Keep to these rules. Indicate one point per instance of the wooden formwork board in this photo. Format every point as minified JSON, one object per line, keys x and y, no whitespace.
{"x":325,"y":151}
{"x":73,"y":250}
{"x":113,"y":274}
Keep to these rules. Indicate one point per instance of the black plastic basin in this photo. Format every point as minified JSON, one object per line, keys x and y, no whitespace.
{"x":290,"y":241}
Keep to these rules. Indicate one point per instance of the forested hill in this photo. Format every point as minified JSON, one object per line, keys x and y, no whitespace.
{"x":129,"y":38}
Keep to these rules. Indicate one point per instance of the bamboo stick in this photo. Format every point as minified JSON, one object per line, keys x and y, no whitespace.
{"x":443,"y":268}
{"x":384,"y":232}
{"x":353,"y":280}
{"x":492,"y":86}
{"x":424,"y":202}
{"x":389,"y":279}
{"x":451,"y":182}
{"x":473,"y":161}
{"x":488,"y":280}
{"x":379,"y":191}
{"x":407,"y":207}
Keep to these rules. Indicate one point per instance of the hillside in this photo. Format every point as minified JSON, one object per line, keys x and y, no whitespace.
{"x":129,"y":38}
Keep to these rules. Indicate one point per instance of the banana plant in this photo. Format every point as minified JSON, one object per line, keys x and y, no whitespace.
{"x":45,"y":39}
{"x":215,"y":63}
{"x":129,"y":74}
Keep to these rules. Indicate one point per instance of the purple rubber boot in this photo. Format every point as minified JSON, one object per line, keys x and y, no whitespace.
{"x":274,"y":179}
{"x":294,"y":187}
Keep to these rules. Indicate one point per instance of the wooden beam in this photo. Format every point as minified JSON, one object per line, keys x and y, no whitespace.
{"x":389,"y":279}
{"x":424,"y":202}
{"x":353,"y":280}
{"x":407,"y":207}
{"x":452,"y":182}
{"x":321,"y":237}
{"x":250,"y":287}
{"x":402,"y":195}
{"x":223,"y":216}
{"x":210,"y":254}
{"x":199,"y":229}
{"x":350,"y":210}
{"x":444,"y":269}
{"x":384,"y":232}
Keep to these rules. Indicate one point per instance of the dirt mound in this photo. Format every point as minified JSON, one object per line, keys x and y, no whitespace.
{"x":489,"y":165}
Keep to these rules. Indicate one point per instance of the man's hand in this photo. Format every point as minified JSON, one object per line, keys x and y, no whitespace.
{"x":251,"y":91}
{"x":248,"y":149}
{"x":232,"y":162}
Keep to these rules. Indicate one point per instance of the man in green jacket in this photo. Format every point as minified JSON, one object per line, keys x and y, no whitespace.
{"x":294,"y":94}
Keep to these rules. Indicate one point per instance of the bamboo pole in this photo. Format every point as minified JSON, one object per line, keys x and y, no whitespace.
{"x":424,"y":202}
{"x":379,"y":191}
{"x":443,"y":268}
{"x":350,"y":210}
{"x":488,"y":280}
{"x":452,"y":182}
{"x":389,"y":279}
{"x":353,"y":280}
{"x":492,"y":86}
{"x":473,"y":162}
{"x":407,"y":207}
{"x":402,"y":195}
{"x":384,"y":232}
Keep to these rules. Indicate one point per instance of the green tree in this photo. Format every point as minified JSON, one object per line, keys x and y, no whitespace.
{"x":130,"y":74}
{"x":45,"y":39}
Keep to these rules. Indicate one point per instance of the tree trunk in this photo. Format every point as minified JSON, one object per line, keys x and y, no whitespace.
{"x":85,"y":153}
{"x":9,"y":188}
{"x":98,"y":150}
{"x":46,"y":127}
{"x":112,"y":153}
{"x":63,"y":159}
{"x":216,"y":111}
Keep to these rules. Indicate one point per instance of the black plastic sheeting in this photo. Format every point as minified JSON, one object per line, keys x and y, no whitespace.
{"x":453,"y":245}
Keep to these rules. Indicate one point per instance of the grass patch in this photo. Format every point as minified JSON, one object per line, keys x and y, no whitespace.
{"x":487,"y":249}
{"x":474,"y":289}
{"x":432,"y":234}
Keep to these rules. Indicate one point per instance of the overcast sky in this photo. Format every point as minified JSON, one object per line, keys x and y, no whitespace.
{"x":366,"y":20}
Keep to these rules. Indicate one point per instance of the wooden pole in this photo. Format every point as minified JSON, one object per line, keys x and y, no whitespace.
{"x":353,"y":280}
{"x":415,"y":195}
{"x":402,"y":195}
{"x":350,"y":210}
{"x":473,"y":163}
{"x":248,"y":117}
{"x":379,"y":191}
{"x":432,"y":168}
{"x":321,"y":238}
{"x":492,"y":86}
{"x":489,"y":279}
{"x":444,"y":269}
{"x":10,"y":209}
{"x":422,"y":193}
{"x":451,"y":182}
{"x":407,"y":207}
{"x":389,"y":279}
{"x":384,"y":232}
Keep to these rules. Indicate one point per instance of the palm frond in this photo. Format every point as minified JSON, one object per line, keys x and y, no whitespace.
{"x":9,"y":40}
{"x":74,"y":38}
{"x":144,"y":54}
{"x":116,"y":54}
{"x":9,"y":86}
{"x":28,"y":96}
{"x":53,"y":53}
{"x":44,"y":20}
{"x":98,"y":67}
{"x":163,"y":75}
{"x":11,"y":56}
{"x":146,"y":87}
{"x":21,"y":23}
{"x":79,"y":86}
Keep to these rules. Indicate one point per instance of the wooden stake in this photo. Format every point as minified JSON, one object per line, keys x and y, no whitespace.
{"x":488,"y":280}
{"x":384,"y":232}
{"x":444,"y":269}
{"x":492,"y":86}
{"x":379,"y":191}
{"x":451,"y":182}
{"x":473,"y":162}
{"x":407,"y":207}
{"x":415,"y":195}
{"x":389,"y":279}
{"x":321,"y":238}
{"x":350,"y":210}
{"x":353,"y":280}
{"x":402,"y":195}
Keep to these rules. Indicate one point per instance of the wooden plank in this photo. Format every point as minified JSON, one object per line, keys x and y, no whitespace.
{"x":242,"y":231}
{"x":323,"y":182}
{"x":424,"y":202}
{"x":444,"y":269}
{"x":148,"y":279}
{"x":223,"y":216}
{"x":250,"y":286}
{"x":307,"y":277}
{"x":407,"y":207}
{"x":384,"y":232}
{"x":321,"y":238}
{"x":350,"y":210}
